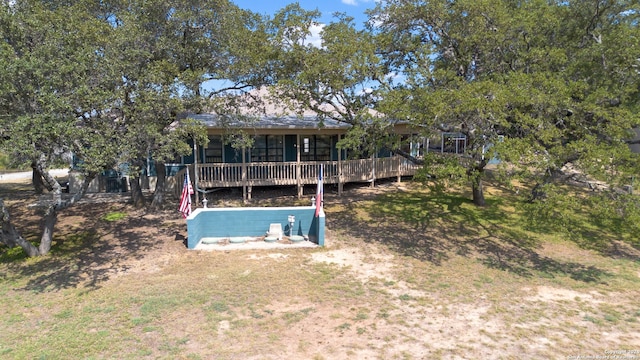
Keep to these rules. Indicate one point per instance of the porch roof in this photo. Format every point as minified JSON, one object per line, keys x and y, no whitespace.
{"x":214,"y":121}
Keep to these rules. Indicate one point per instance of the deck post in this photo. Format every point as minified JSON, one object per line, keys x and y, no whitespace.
{"x":195,"y":170}
{"x":399,"y":168}
{"x":373,"y":171}
{"x":340,"y":179}
{"x":298,"y":170}
{"x":244,"y":176}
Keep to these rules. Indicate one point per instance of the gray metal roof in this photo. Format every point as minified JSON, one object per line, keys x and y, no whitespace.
{"x":268,"y":122}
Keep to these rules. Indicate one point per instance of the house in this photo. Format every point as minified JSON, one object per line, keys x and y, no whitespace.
{"x":288,"y":150}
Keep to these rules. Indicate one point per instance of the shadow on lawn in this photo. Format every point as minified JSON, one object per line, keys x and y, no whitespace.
{"x":591,"y":220}
{"x":91,"y":251}
{"x":434,"y":226}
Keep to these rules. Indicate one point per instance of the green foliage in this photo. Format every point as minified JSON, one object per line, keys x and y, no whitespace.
{"x":10,"y":255}
{"x":107,"y":81}
{"x":5,"y":162}
{"x":558,"y":80}
{"x":51,"y":77}
{"x":338,"y":79}
{"x":114,"y":216}
{"x":441,"y":172}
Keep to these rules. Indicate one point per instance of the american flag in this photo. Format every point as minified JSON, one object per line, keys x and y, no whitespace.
{"x":185,"y":197}
{"x":319,"y":193}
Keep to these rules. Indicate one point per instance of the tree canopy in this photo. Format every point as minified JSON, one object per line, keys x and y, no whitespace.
{"x":558,"y":81}
{"x":106,"y":82}
{"x":542,"y":85}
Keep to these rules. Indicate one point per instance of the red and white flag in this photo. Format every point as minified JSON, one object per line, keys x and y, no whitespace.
{"x":319,"y":193}
{"x":185,"y":197}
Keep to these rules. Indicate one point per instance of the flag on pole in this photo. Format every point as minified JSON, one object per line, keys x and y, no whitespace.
{"x":185,"y":197}
{"x":319,"y":193}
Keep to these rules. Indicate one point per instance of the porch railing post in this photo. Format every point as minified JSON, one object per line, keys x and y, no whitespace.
{"x":195,"y":170}
{"x":373,"y":171}
{"x":298,"y":170}
{"x":244,"y":176}
{"x":340,"y":178}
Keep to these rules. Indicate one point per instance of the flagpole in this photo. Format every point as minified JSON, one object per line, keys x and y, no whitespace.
{"x":195,"y":168}
{"x":319,"y":192}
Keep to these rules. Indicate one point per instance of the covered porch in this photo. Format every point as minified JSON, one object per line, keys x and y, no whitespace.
{"x":295,"y":173}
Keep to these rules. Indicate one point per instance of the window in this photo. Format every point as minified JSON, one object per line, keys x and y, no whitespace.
{"x":413,"y":145}
{"x":213,"y":152}
{"x":316,"y":148}
{"x":453,"y":143}
{"x":323,"y":148}
{"x":268,"y":148}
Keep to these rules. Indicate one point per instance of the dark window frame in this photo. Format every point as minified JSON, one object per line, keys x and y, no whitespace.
{"x":319,"y":148}
{"x":214,"y":152}
{"x":269,"y":150}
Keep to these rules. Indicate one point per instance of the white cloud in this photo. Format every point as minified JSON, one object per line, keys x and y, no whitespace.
{"x":357,"y":2}
{"x":315,"y":37}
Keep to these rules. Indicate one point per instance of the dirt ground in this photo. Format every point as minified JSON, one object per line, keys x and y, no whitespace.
{"x":535,"y":319}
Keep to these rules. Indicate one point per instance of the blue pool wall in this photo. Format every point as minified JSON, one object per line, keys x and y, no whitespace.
{"x":253,"y":221}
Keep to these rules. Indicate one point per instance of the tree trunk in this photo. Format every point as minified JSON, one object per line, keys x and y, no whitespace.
{"x":48,"y":224}
{"x":144,"y":181}
{"x":478,"y":194}
{"x":550,"y":175}
{"x":476,"y":174}
{"x":136,"y":193}
{"x":158,"y":195}
{"x":36,"y":179}
{"x":10,"y":236}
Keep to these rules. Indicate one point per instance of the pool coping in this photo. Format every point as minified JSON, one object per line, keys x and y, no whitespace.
{"x":255,"y":245}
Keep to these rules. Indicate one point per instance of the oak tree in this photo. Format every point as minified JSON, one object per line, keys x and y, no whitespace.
{"x":557,"y":80}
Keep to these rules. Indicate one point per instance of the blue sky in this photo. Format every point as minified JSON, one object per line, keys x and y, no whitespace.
{"x":354,"y":8}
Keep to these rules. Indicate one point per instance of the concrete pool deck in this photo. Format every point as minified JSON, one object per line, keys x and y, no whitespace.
{"x":255,"y":245}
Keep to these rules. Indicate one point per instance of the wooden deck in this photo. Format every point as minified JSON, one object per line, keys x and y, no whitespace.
{"x":297,"y":173}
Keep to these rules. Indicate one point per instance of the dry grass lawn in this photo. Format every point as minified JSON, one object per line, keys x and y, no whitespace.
{"x":405,"y":275}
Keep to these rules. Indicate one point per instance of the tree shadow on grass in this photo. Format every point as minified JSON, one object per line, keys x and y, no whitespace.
{"x":434,"y":226}
{"x":528,"y":263}
{"x":585,"y":223}
{"x":91,"y":251}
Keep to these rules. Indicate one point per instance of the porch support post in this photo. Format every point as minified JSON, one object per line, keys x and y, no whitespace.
{"x":340,"y":178}
{"x":298,"y":169}
{"x":244,"y":175}
{"x":195,"y":171}
{"x":373,"y":171}
{"x":399,"y":167}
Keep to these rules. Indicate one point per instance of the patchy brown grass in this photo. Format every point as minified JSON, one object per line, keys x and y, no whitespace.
{"x":406,"y":275}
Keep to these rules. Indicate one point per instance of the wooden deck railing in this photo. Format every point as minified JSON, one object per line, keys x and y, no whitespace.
{"x":286,"y":173}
